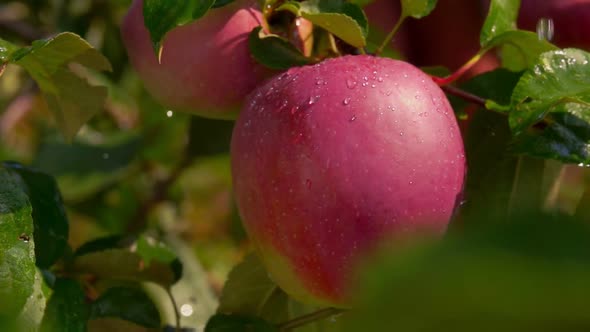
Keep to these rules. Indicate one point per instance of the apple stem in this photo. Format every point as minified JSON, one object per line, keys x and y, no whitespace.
{"x":464,"y":95}
{"x":390,"y":36}
{"x":442,"y":81}
{"x":309,"y":318}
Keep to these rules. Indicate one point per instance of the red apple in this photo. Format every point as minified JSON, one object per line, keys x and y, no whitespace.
{"x":449,"y":37}
{"x":206,"y":67}
{"x":330,"y":161}
{"x":571,"y":19}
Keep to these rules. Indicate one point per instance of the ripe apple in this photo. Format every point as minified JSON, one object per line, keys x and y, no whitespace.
{"x":571,"y":19}
{"x":333,"y":160}
{"x":206,"y":67}
{"x":449,"y":37}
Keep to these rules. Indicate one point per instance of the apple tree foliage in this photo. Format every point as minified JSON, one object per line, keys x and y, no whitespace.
{"x":90,"y":144}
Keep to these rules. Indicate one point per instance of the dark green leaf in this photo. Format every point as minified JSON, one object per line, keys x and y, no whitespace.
{"x":209,"y":137}
{"x":67,"y":310}
{"x":161,"y":16}
{"x":221,"y":3}
{"x":250,"y":292}
{"x":17,"y":258}
{"x":49,"y":215}
{"x":501,"y":18}
{"x":274,"y":52}
{"x":491,"y":166}
{"x":417,"y":8}
{"x":230,"y":323}
{"x":131,"y":304}
{"x":71,"y":98}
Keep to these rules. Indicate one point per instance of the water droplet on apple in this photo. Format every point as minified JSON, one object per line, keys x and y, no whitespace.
{"x":351,"y":84}
{"x":352,"y":118}
{"x":346,"y":101}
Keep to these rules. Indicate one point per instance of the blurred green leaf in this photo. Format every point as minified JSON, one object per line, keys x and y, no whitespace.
{"x":501,"y":18}
{"x":274,"y":52}
{"x":520,"y":49}
{"x":250,"y":292}
{"x":17,"y":258}
{"x":234,"y":323}
{"x":67,"y":310}
{"x":49,"y":216}
{"x":131,"y":304}
{"x":72,"y":100}
{"x":143,"y":260}
{"x":417,"y":8}
{"x":6,"y":50}
{"x":528,"y":275}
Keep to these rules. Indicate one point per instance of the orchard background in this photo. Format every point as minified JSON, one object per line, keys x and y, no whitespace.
{"x":124,"y":194}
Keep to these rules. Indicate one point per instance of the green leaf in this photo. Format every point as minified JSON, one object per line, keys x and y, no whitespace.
{"x":17,"y":258}
{"x":274,"y":52}
{"x":131,"y":304}
{"x":144,"y":260}
{"x":29,"y":319}
{"x":49,"y":215}
{"x":233,"y":323}
{"x":250,"y":292}
{"x":67,"y":310}
{"x":527,"y":275}
{"x":560,"y":77}
{"x":520,"y":49}
{"x":6,"y":50}
{"x":345,"y":21}
{"x":72,"y":100}
{"x":417,"y":8}
{"x":161,"y":16}
{"x":501,"y":18}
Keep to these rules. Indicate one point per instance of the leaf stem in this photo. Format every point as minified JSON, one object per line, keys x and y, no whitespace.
{"x":443,"y":81}
{"x":309,"y":318}
{"x":391,"y":34}
{"x":175,"y":305}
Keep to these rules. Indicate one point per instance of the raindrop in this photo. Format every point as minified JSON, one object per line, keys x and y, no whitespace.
{"x":545,"y":29}
{"x":380,"y":79}
{"x":346,"y":101}
{"x":186,"y":310}
{"x":312,"y":100}
{"x":401,"y":133}
{"x":351,"y":84}
{"x":373,"y":85}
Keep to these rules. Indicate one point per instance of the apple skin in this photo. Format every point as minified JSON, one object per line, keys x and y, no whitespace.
{"x":449,"y":37}
{"x":571,"y":19}
{"x":206,"y":67}
{"x":334,"y":160}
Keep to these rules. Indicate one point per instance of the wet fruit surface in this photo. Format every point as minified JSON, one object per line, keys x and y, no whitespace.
{"x":206,"y":67}
{"x":330,"y":161}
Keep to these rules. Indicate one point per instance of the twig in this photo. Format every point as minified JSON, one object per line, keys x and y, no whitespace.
{"x":309,"y":318}
{"x":464,"y":95}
